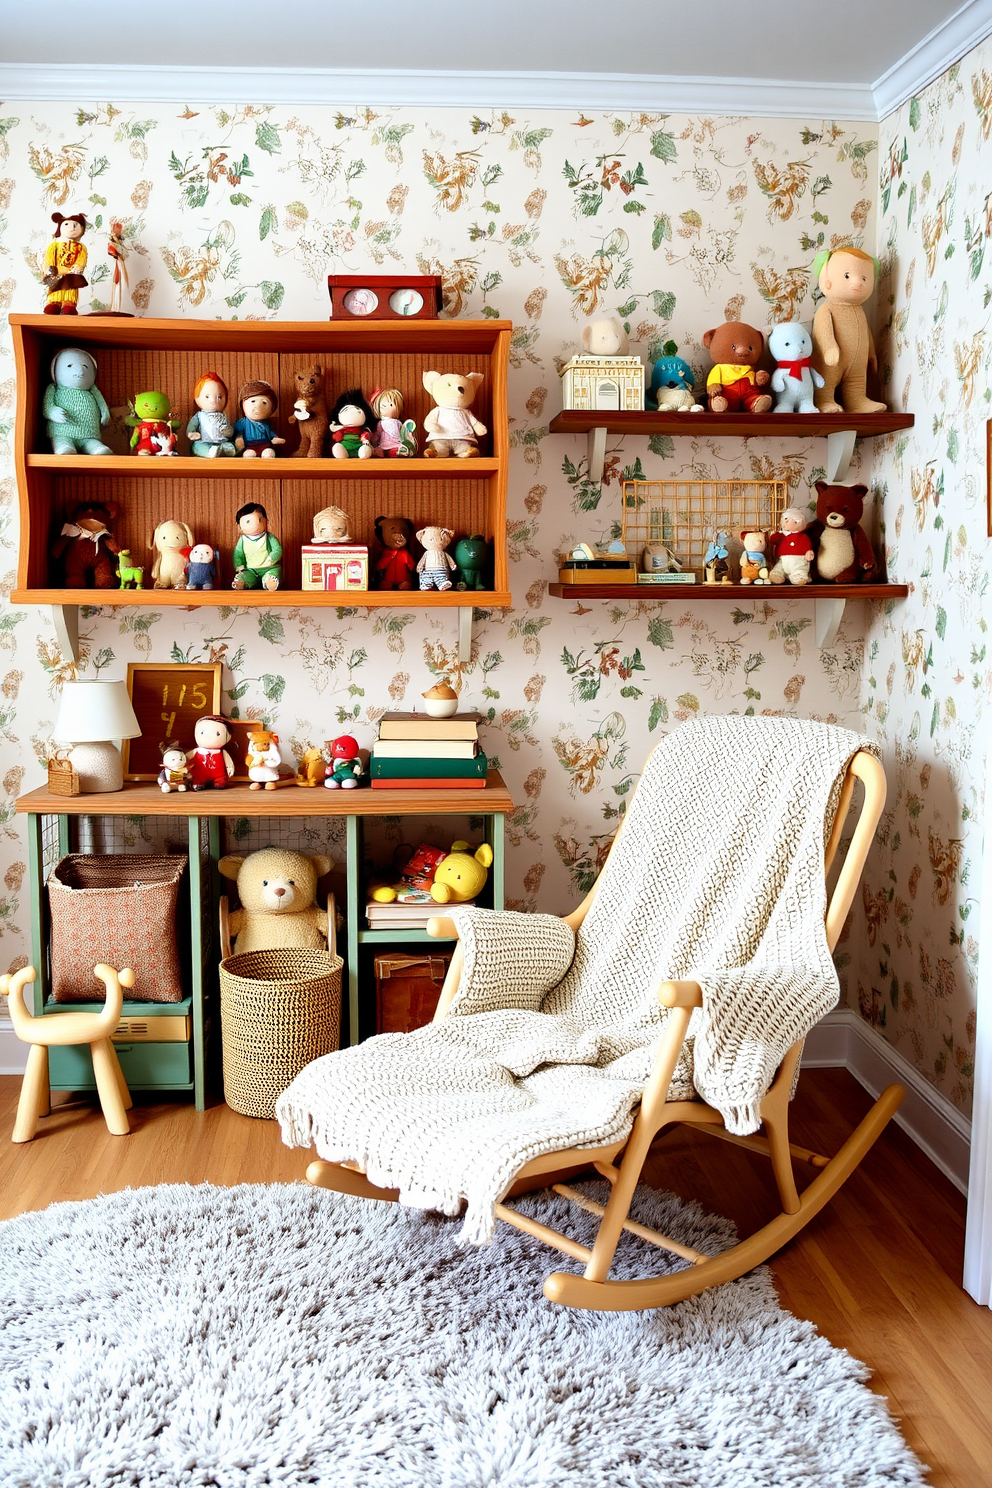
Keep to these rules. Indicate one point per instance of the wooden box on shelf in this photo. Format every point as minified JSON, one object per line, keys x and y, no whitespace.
{"x":468,"y":496}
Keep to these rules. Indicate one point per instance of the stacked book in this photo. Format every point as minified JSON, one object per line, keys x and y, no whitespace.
{"x":410,"y":910}
{"x":414,"y":752}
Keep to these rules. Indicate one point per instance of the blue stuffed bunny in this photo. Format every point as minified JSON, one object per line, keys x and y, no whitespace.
{"x":671,"y":384}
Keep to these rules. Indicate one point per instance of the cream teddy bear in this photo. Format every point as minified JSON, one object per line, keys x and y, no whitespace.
{"x":450,"y":428}
{"x":277,"y":889}
{"x":436,"y":562}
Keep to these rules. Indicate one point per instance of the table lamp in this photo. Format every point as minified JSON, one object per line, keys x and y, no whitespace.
{"x":92,"y":714}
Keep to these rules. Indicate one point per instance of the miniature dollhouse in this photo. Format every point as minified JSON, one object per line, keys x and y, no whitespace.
{"x":596,"y":383}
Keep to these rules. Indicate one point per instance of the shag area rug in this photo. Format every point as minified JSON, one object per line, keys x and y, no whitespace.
{"x":281,"y":1335}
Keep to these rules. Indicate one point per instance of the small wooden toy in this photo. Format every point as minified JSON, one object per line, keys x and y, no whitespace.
{"x":119,"y":280}
{"x":352,"y":421}
{"x":310,"y":412}
{"x":450,"y":427}
{"x":254,"y":436}
{"x":154,"y":429}
{"x":346,"y":767}
{"x":74,"y":408}
{"x":330,"y":566}
{"x":208,"y":431}
{"x":65,"y":260}
{"x":129,"y":573}
{"x":384,"y":296}
{"x":257,"y":552}
{"x":393,"y":435}
{"x":174,"y":772}
{"x":171,"y":543}
{"x":435,"y":562}
{"x":313,"y":767}
{"x":210,"y":764}
{"x":603,"y":375}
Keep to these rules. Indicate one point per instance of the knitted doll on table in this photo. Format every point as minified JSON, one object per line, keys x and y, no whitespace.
{"x":65,"y":260}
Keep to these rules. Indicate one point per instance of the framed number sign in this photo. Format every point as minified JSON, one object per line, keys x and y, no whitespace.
{"x":167,"y":698}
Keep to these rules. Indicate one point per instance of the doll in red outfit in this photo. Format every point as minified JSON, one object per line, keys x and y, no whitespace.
{"x":792,"y":548}
{"x":210,"y":764}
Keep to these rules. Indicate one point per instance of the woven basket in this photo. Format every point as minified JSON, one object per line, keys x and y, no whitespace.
{"x":279,"y":1010}
{"x":119,"y":908}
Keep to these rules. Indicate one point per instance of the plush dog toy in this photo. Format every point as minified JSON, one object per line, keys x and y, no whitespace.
{"x":278,"y":891}
{"x":733,"y":383}
{"x":450,"y":428}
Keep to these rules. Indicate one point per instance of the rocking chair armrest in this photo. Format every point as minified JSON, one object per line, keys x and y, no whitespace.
{"x":442,"y":927}
{"x":680,"y":994}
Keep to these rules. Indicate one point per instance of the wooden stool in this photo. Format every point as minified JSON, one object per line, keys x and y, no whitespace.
{"x":94,"y":1029}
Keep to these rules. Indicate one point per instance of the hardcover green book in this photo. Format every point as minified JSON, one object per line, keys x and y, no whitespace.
{"x":429,"y":769}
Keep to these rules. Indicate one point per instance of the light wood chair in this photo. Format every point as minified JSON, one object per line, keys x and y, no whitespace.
{"x":621,"y":1163}
{"x":62,"y":1029}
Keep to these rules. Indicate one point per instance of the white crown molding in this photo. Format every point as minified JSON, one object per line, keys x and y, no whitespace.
{"x":844,"y":1040}
{"x":945,"y":45}
{"x":298,"y":86}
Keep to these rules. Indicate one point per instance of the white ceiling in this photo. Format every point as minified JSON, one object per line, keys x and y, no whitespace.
{"x":641,"y":47}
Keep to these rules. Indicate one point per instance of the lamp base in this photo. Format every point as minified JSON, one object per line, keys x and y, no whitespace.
{"x":99,"y":766}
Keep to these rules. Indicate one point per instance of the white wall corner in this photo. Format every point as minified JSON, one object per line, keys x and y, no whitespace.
{"x":945,"y":45}
{"x":13,"y":1054}
{"x":844,"y":1040}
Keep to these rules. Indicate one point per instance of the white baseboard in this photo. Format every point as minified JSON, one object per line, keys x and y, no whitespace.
{"x":843,"y":1040}
{"x":13,"y":1054}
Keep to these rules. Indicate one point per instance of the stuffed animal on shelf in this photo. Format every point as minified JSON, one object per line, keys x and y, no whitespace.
{"x":791,"y":548}
{"x":174,"y":772}
{"x":843,"y":553}
{"x":210,"y":764}
{"x":129,"y":573}
{"x":208,"y":431}
{"x":86,"y":546}
{"x":347,"y":767}
{"x":450,"y":427}
{"x":843,"y":348}
{"x":74,"y":407}
{"x":396,"y":565}
{"x":257,"y":553}
{"x":263,"y":759}
{"x":171,"y":543}
{"x":278,"y":893}
{"x":254,"y":436}
{"x":604,"y":338}
{"x":734,"y":385}
{"x":754,"y":563}
{"x":472,"y":559}
{"x":716,"y":568}
{"x":203,"y":567}
{"x":435,"y":562}
{"x":672,"y":382}
{"x":65,"y":260}
{"x":352,"y":421}
{"x":312,"y":767}
{"x":331,"y":526}
{"x":462,"y":874}
{"x":793,"y":379}
{"x":310,"y":411}
{"x":154,"y":429}
{"x":394,"y":436}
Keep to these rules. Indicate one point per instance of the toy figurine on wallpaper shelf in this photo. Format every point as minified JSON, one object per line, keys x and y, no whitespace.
{"x":451,"y":429}
{"x":441,"y":700}
{"x":210,"y":764}
{"x":394,"y":436}
{"x":171,"y":543}
{"x":86,"y":546}
{"x":74,"y":407}
{"x":733,"y":384}
{"x":312,"y":769}
{"x":65,"y":260}
{"x":716,"y":567}
{"x":254,"y":436}
{"x":843,"y":553}
{"x":203,"y":567}
{"x":794,"y":379}
{"x":174,"y":772}
{"x":436,"y":563}
{"x":258,"y":552}
{"x":119,"y":282}
{"x":754,"y":561}
{"x":263,"y":760}
{"x":209,"y":433}
{"x":129,"y":573}
{"x":310,"y":412}
{"x":346,"y":770}
{"x":396,"y":565}
{"x":472,"y":558}
{"x":154,"y":428}
{"x":672,"y":380}
{"x":791,"y":549}
{"x":351,"y":427}
{"x":331,"y":525}
{"x":843,"y":348}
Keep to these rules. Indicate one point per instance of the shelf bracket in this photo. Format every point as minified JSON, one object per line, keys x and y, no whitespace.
{"x":596,"y":457}
{"x":840,"y":448}
{"x":65,"y":618}
{"x":465,"y":617}
{"x":827,"y":613}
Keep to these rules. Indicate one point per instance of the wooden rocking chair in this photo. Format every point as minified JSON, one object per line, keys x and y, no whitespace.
{"x":621,"y":1163}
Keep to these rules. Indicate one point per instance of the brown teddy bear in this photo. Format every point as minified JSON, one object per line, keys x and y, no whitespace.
{"x":733,"y":383}
{"x":450,"y":428}
{"x":843,"y":553}
{"x":86,"y":544}
{"x":396,"y":565}
{"x":310,"y":412}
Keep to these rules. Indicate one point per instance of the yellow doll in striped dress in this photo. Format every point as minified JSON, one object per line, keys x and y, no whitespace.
{"x":65,"y":260}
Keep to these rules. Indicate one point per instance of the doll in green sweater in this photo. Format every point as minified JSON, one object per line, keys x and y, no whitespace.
{"x":74,"y":407}
{"x":257,"y":553}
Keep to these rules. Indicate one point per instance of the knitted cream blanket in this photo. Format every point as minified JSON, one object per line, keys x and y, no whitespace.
{"x":717,"y":875}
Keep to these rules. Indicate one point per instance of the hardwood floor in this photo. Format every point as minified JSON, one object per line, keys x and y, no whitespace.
{"x":878,"y":1272}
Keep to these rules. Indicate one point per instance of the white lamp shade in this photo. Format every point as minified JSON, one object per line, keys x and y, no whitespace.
{"x":93,"y":711}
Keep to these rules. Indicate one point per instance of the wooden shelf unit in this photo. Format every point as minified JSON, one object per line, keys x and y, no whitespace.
{"x":134,"y":355}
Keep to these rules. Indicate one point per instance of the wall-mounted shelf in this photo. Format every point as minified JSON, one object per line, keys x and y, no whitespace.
{"x":829,"y":600}
{"x":841,"y":430}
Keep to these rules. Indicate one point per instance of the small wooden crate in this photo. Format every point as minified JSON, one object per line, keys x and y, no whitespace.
{"x":407,"y":989}
{"x":62,"y":778}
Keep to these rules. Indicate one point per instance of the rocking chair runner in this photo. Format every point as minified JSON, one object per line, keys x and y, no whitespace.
{"x":621,"y":1162}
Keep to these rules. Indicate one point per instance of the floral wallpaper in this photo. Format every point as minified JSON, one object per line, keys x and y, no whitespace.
{"x":545,"y":218}
{"x":928,"y":672}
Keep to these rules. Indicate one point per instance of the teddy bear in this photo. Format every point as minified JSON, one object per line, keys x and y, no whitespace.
{"x":671,"y":384}
{"x":263,"y":759}
{"x":278,"y":891}
{"x":843,"y":348}
{"x":171,"y":543}
{"x":794,"y":379}
{"x":396,"y":565}
{"x":312,"y":768}
{"x":435,"y":561}
{"x":733,"y":383}
{"x":87,"y":546}
{"x":450,"y":428}
{"x":754,"y":564}
{"x":791,"y":549}
{"x":330,"y":525}
{"x":843,"y":553}
{"x":310,"y":411}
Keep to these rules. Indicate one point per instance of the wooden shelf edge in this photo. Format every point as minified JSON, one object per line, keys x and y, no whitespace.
{"x":728,"y":591}
{"x":396,"y":599}
{"x":326,"y":468}
{"x":575,"y":421}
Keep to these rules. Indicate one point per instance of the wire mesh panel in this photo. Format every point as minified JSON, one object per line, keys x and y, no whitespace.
{"x":686,"y":515}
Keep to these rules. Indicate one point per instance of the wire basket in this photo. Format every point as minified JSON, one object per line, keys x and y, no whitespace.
{"x":279,"y":1010}
{"x":686,"y":515}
